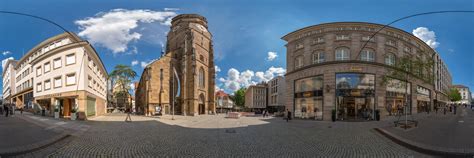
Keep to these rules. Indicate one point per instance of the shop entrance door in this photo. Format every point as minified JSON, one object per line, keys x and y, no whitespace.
{"x":355,"y":108}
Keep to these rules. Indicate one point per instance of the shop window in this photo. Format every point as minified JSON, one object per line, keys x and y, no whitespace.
{"x":308,"y":98}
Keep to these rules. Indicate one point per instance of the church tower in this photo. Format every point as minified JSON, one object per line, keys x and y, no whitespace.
{"x":190,"y":45}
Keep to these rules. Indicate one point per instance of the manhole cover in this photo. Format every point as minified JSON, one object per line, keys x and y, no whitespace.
{"x":230,"y":131}
{"x":461,"y":121}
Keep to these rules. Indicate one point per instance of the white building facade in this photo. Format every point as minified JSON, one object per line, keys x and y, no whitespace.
{"x":63,"y":73}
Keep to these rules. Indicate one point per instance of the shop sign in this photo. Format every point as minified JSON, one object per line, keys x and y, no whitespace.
{"x":354,"y":68}
{"x":309,"y":94}
{"x":423,"y":90}
{"x":50,"y":95}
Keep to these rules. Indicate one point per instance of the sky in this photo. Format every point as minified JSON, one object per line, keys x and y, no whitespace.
{"x":246,"y":34}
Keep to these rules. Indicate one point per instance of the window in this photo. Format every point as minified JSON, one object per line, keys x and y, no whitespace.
{"x":57,"y":63}
{"x":70,"y":79}
{"x":38,"y":87}
{"x":318,"y":57}
{"x":70,"y":59}
{"x":90,"y":62}
{"x":318,"y":40}
{"x":342,"y":37}
{"x":47,"y":85}
{"x":367,"y":55}
{"x":38,"y":71}
{"x":57,"y":82}
{"x":47,"y":67}
{"x":407,"y":49}
{"x":390,"y":59}
{"x":367,"y":38}
{"x":299,"y":45}
{"x":391,"y":43}
{"x":201,"y":78}
{"x":299,"y":62}
{"x":342,"y":54}
{"x":89,"y":81}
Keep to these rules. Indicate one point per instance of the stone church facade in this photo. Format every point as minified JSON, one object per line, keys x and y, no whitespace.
{"x":188,"y":50}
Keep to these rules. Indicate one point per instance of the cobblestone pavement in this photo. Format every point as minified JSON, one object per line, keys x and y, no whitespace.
{"x":216,"y":136}
{"x":16,"y":132}
{"x":446,"y":131}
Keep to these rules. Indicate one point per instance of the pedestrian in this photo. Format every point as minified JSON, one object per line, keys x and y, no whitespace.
{"x":128,"y":118}
{"x":436,"y":109}
{"x":288,"y":115}
{"x":454,"y":109}
{"x":5,"y":107}
{"x":21,"y":110}
{"x":444,"y":109}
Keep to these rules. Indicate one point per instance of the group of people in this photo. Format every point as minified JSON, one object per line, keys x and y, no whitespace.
{"x":9,"y":109}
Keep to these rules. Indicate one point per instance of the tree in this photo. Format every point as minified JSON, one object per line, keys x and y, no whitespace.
{"x":239,"y":97}
{"x":406,"y":68}
{"x":123,"y":76}
{"x":454,"y":95}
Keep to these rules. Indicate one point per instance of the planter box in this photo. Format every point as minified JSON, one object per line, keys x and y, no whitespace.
{"x":56,"y":115}
{"x":73,"y":116}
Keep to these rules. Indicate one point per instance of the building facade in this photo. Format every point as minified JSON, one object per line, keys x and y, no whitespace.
{"x":62,"y":72}
{"x":327,"y":70}
{"x":466,"y":97}
{"x":256,"y":97}
{"x":223,"y":102}
{"x":276,"y":94}
{"x":189,"y":51}
{"x":8,"y":79}
{"x":443,"y":82}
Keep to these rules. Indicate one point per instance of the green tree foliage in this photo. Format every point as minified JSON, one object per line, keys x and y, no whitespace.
{"x":407,"y":67}
{"x":239,"y":97}
{"x":454,"y":95}
{"x":123,"y":76}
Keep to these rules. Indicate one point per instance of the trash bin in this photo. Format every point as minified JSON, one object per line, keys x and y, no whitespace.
{"x":377,"y":115}
{"x":42,"y":112}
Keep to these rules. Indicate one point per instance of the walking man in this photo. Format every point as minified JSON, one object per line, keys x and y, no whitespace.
{"x":128,"y":118}
{"x":288,"y":115}
{"x":5,"y":107}
{"x":454,"y":109}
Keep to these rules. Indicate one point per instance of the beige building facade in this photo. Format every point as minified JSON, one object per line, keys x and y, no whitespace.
{"x":256,"y":96}
{"x":189,"y":51}
{"x":62,"y":72}
{"x":327,"y":70}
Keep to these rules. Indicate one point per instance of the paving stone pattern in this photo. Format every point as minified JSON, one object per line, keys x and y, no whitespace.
{"x":110,"y":136}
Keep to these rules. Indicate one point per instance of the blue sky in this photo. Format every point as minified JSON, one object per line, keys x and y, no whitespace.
{"x":244,"y":32}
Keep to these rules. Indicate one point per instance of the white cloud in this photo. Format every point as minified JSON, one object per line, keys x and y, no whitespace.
{"x":132,"y":86}
{"x":171,"y":9}
{"x":6,"y":53}
{"x":429,"y":37}
{"x":115,"y":29}
{"x":144,"y":64}
{"x":236,"y":80}
{"x":134,"y":62}
{"x":272,"y":56}
{"x":451,"y":50}
{"x":217,"y":68}
{"x":4,"y":61}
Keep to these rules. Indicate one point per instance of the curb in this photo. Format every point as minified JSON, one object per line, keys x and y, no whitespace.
{"x":426,"y":149}
{"x":32,"y":147}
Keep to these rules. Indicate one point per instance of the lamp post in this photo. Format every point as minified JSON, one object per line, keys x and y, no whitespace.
{"x":161,"y":90}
